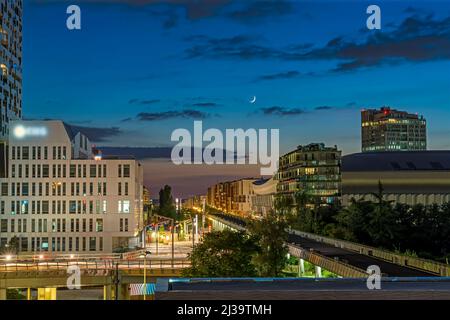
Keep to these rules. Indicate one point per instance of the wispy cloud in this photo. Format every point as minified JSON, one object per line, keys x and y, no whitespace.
{"x":280,"y":75}
{"x":165,"y":115}
{"x":97,"y":134}
{"x":416,"y":39}
{"x":281,"y":111}
{"x":255,"y":11}
{"x":144,"y":102}
{"x":205,"y":104}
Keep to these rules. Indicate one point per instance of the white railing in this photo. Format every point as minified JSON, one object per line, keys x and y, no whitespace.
{"x":434,"y":267}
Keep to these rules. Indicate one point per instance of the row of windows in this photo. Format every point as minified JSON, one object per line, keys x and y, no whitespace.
{"x":37,"y":153}
{"x":80,"y":171}
{"x":60,"y":171}
{"x":42,"y":244}
{"x":60,"y":207}
{"x":57,"y":225}
{"x":59,"y":189}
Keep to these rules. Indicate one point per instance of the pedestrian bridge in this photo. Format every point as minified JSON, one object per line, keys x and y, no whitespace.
{"x":114,"y":275}
{"x":344,"y":258}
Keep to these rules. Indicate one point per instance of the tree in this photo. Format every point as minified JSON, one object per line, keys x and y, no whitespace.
{"x":223,"y":254}
{"x":271,"y":236}
{"x":166,"y":205}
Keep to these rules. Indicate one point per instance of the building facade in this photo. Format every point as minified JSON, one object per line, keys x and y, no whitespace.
{"x":11,"y":72}
{"x":263,"y":198}
{"x":387,"y":129}
{"x":414,"y":177}
{"x":59,"y":198}
{"x":232,"y":196}
{"x":313,"y":169}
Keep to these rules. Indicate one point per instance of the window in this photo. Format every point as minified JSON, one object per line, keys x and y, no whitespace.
{"x":24,"y":207}
{"x":4,"y":225}
{"x":104,"y":206}
{"x":92,"y":171}
{"x":45,"y":171}
{"x":99,"y":225}
{"x":126,"y":206}
{"x":45,"y":207}
{"x":24,"y":244}
{"x":25,"y":153}
{"x":126,"y":170}
{"x":73,"y":171}
{"x":4,"y":189}
{"x":92,"y":243}
{"x":25,"y":189}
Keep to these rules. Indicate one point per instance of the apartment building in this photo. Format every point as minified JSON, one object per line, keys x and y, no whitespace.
{"x":388,"y":129}
{"x":313,"y":169}
{"x":61,"y":197}
{"x":232,"y":196}
{"x":10,"y":73}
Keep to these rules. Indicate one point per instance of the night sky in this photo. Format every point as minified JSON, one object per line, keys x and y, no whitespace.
{"x":140,"y":69}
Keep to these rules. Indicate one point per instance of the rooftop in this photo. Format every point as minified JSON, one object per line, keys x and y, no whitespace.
{"x":396,"y":161}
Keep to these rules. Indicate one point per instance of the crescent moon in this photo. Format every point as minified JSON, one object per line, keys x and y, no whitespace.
{"x":253,"y":100}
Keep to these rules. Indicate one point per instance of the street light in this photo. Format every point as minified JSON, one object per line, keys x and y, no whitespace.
{"x":144,"y":256}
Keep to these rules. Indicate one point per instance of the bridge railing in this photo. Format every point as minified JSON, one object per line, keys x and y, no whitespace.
{"x":434,"y":267}
{"x":338,"y":267}
{"x":106,"y":265}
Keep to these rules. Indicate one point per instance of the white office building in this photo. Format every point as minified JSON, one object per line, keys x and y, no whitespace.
{"x":59,"y":197}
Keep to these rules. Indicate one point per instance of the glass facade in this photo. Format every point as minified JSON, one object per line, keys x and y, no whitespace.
{"x":392,"y":130}
{"x":313,"y":169}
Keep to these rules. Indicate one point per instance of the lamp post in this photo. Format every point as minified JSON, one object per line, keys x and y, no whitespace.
{"x":145,"y":272}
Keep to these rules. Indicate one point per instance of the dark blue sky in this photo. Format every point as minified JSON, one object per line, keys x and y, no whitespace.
{"x":139,"y":69}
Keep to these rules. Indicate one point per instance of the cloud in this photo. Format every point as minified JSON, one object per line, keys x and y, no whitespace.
{"x":144,"y":102}
{"x":258,"y":10}
{"x":416,"y":39}
{"x":184,"y":114}
{"x":138,"y":153}
{"x":195,"y":9}
{"x":281,"y":111}
{"x":205,"y":104}
{"x":240,"y":47}
{"x":323,"y":108}
{"x":97,"y":134}
{"x":280,"y":75}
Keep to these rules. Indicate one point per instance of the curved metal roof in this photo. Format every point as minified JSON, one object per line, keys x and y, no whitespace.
{"x":397,"y":161}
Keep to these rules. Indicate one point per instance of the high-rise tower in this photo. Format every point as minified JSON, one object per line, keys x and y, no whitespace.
{"x":392,"y":130}
{"x":10,"y":73}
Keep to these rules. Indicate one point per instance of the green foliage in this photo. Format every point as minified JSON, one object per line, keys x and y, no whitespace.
{"x":166,"y":203}
{"x":14,"y":294}
{"x":13,"y":246}
{"x":271,"y":236}
{"x":223,"y":254}
{"x":418,"y":230}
